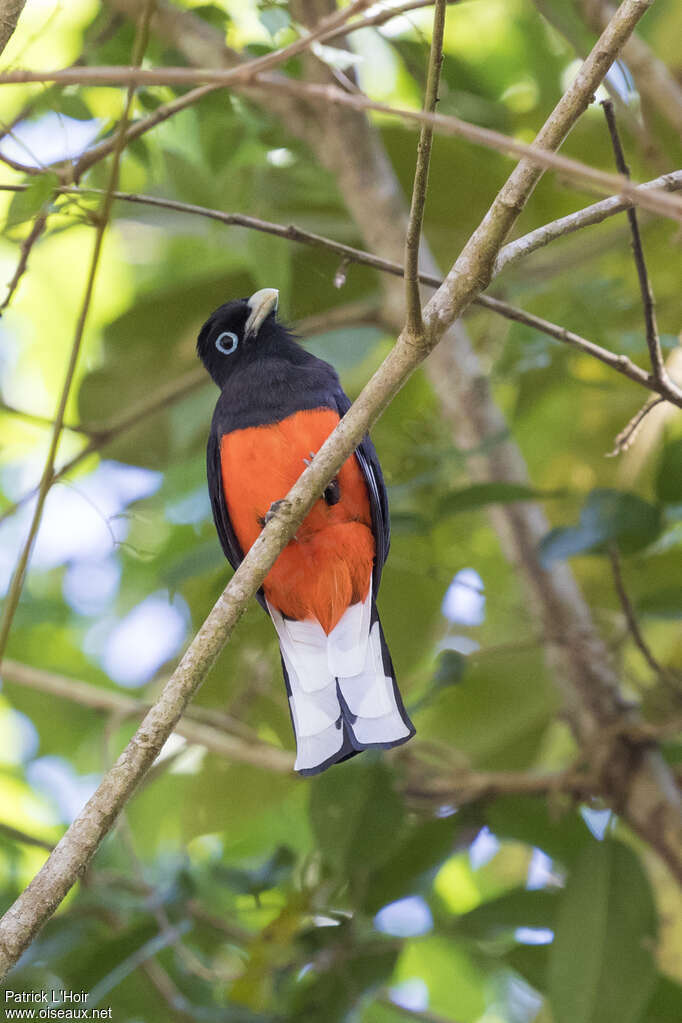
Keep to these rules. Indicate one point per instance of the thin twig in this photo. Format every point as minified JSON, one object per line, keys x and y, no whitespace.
{"x":633,"y":623}
{"x":29,"y":241}
{"x":165,"y":986}
{"x":463,"y":786}
{"x":24,"y":838}
{"x":166,"y":396}
{"x":380,"y":17}
{"x":413,"y":315}
{"x":652,"y":338}
{"x":35,"y":417}
{"x":628,"y":434}
{"x":219,"y":733}
{"x":16,"y":585}
{"x":594,"y":214}
{"x":583,"y":175}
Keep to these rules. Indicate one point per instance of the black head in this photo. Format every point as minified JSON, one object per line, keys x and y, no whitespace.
{"x":231,"y":333}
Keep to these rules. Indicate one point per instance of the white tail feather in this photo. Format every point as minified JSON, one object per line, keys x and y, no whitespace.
{"x":349,"y":660}
{"x":314,"y":750}
{"x":314,"y":702}
{"x":370,"y":696}
{"x":304,"y":645}
{"x":347,"y":642}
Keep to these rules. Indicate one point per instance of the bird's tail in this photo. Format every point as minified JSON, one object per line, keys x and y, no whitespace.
{"x":342,"y":690}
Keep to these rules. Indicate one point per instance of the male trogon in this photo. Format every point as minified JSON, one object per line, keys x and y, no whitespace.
{"x":277,"y":406}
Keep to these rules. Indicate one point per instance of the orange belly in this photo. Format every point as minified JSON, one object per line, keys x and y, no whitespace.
{"x":328,"y":565}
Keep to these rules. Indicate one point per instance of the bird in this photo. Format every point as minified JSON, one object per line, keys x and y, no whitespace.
{"x":278,"y":403}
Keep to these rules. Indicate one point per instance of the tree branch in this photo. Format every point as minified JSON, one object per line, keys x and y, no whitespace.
{"x":380,"y":17}
{"x":29,"y":241}
{"x":629,"y":432}
{"x":633,"y":624}
{"x":462,"y":787}
{"x":595,"y":214}
{"x":413,"y":315}
{"x":10,"y":12}
{"x":652,"y":339}
{"x":38,"y":420}
{"x":582,"y":174}
{"x":218,"y":733}
{"x":24,"y":838}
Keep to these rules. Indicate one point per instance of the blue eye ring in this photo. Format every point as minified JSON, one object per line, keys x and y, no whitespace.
{"x":227,"y":342}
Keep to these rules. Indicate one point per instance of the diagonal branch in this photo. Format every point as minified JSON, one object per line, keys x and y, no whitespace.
{"x":652,"y":807}
{"x":652,"y":339}
{"x":29,"y":241}
{"x":10,"y":12}
{"x":624,"y":440}
{"x":512,"y":252}
{"x":17,"y":582}
{"x":413,"y":315}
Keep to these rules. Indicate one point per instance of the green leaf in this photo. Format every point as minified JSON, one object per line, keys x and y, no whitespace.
{"x":344,"y":347}
{"x":26,"y":205}
{"x":480,"y":494}
{"x":669,"y":475}
{"x":608,"y":517}
{"x":666,"y":1002}
{"x":533,"y":821}
{"x":274,"y":19}
{"x":356,"y":815}
{"x":413,"y":859}
{"x":276,"y":869}
{"x":325,"y":995}
{"x":663,"y":603}
{"x":449,"y":671}
{"x":601,"y":965}
{"x":519,"y":908}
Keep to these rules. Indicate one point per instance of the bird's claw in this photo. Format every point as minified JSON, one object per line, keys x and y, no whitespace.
{"x":309,"y":460}
{"x":272,"y":511}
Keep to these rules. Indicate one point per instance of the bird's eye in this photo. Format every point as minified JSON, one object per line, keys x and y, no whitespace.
{"x":227,"y":342}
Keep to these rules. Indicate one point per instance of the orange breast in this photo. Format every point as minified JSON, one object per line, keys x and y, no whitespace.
{"x":328,"y":565}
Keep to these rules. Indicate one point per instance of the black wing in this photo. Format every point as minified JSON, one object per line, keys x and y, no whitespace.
{"x":378,"y":498}
{"x":221,"y":517}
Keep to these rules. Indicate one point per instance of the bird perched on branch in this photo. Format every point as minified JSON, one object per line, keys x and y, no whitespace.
{"x":277,"y":406}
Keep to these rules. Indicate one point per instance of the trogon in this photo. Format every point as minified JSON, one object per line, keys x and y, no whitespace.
{"x":278,"y":403}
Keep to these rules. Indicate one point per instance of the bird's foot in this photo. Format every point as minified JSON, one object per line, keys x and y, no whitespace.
{"x":309,"y":460}
{"x":272,"y":511}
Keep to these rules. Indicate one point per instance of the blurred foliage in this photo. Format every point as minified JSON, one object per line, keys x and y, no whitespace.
{"x":231,"y":894}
